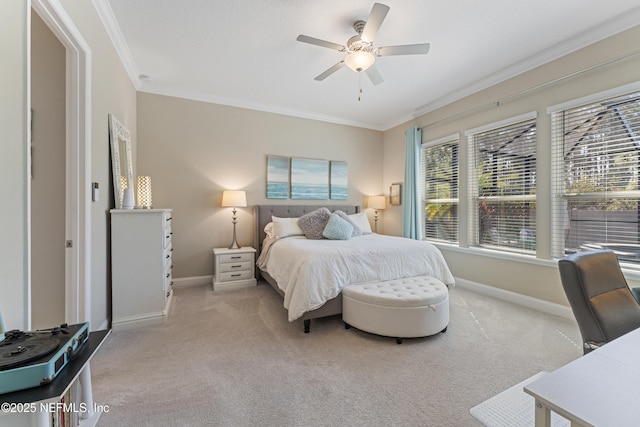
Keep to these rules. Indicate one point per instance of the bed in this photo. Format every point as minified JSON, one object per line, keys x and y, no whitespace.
{"x":309,"y":274}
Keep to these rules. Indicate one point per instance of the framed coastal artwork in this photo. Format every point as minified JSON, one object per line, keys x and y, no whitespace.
{"x":338,"y":183}
{"x":395,"y":193}
{"x":309,"y":179}
{"x":277,"y":177}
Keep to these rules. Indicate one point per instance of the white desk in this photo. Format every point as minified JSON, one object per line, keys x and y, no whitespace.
{"x":598,"y":389}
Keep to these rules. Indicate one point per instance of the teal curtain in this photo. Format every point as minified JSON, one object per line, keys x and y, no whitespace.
{"x":411,"y":192}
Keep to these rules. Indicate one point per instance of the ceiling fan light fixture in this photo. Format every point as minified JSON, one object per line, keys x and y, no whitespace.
{"x":359,"y":60}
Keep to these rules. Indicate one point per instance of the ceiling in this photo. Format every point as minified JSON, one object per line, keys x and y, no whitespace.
{"x":244,"y":53}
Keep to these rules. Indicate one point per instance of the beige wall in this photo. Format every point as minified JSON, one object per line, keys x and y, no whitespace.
{"x":194,"y":150}
{"x":538,"y":279}
{"x":48,"y":182}
{"x":112,"y":92}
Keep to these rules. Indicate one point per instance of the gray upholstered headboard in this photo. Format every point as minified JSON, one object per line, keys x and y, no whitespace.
{"x":262,"y":215}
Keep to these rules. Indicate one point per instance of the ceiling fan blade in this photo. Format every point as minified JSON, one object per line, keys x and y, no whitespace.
{"x":407,"y":49}
{"x":374,"y":75}
{"x":378,"y":13}
{"x":322,"y":43}
{"x":330,"y":71}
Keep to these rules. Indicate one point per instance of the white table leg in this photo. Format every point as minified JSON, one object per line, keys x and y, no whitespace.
{"x":86,"y":390}
{"x":40,"y":419}
{"x":543,"y":415}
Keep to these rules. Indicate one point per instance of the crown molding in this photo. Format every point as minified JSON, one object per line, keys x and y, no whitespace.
{"x":593,"y":35}
{"x":241,"y":103}
{"x":115,"y":34}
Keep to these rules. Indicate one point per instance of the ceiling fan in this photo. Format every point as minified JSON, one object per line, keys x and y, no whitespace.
{"x":361,"y":55}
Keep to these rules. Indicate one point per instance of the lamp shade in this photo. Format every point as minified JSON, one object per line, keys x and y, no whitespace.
{"x":376,"y":202}
{"x":234,"y":198}
{"x":359,"y":60}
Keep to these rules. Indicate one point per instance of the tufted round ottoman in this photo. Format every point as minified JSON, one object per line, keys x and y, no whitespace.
{"x":401,"y":308}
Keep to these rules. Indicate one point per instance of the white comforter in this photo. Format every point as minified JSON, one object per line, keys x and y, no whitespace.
{"x":311,"y":272}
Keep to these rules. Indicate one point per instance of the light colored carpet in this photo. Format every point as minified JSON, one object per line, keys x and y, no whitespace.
{"x":513,"y":407}
{"x":231,"y":358}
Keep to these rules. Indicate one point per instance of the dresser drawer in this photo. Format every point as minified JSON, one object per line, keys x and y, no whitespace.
{"x":168,"y":269}
{"x":236,"y":275}
{"x":236,"y":266}
{"x":167,"y":236}
{"x":225,"y":258}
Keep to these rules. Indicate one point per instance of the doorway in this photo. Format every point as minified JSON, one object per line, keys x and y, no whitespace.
{"x":76,"y":241}
{"x":48,"y":176}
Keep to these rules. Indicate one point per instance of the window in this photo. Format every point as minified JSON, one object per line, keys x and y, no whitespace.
{"x":596,"y":158}
{"x":503,"y":186}
{"x":439,"y":160}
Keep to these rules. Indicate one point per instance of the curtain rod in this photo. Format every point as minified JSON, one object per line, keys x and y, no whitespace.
{"x":516,"y":95}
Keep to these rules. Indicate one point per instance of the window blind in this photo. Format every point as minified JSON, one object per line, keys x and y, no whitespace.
{"x":439,"y":178}
{"x":503,"y":187}
{"x":595,"y":177}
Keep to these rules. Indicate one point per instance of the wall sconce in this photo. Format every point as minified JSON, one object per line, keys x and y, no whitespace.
{"x":375,"y":203}
{"x":234,"y":199}
{"x":144,"y":192}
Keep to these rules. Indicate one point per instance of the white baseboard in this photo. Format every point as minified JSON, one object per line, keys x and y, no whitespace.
{"x":103,"y":326}
{"x":516,"y":298}
{"x":131,"y":322}
{"x":184,"y":282}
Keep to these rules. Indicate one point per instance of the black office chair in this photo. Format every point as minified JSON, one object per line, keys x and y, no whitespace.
{"x":600,"y":298}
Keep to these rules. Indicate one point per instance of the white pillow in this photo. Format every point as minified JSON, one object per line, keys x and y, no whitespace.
{"x":283,"y":227}
{"x":268,"y":229}
{"x":362,"y":221}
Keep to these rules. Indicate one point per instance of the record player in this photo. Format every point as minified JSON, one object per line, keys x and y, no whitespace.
{"x":30,"y":359}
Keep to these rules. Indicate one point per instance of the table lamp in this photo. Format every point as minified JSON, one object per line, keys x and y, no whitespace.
{"x":234,"y":199}
{"x":375,"y":203}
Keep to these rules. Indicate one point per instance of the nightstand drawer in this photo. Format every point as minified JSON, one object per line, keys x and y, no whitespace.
{"x":247,"y":256}
{"x":235,"y":266}
{"x":236,"y":275}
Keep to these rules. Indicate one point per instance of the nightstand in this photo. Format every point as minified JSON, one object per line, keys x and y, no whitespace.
{"x":234,"y":268}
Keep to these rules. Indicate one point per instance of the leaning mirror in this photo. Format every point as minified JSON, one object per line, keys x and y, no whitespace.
{"x":121,"y":161}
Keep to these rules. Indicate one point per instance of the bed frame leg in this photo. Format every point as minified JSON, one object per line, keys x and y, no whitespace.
{"x":307,"y":326}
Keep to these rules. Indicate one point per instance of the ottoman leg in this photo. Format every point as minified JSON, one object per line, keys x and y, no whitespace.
{"x":307,"y":326}
{"x":346,"y":325}
{"x":398,"y":340}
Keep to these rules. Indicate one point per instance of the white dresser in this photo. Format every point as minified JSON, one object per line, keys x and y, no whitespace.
{"x":141,"y":266}
{"x":234,"y":268}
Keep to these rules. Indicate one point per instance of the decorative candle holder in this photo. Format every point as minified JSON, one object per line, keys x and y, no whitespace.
{"x":144,"y":192}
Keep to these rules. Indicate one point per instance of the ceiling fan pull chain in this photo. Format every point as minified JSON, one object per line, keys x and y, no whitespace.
{"x":359,"y":85}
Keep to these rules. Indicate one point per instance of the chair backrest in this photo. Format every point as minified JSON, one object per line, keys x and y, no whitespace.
{"x":600,"y":298}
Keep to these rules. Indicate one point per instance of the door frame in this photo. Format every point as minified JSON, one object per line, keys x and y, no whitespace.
{"x":78,"y":160}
